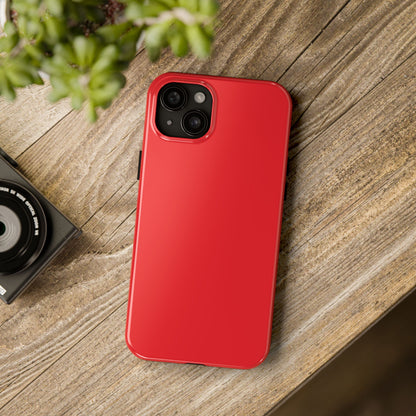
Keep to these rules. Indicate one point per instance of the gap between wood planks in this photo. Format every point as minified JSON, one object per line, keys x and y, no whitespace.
{"x":308,"y":46}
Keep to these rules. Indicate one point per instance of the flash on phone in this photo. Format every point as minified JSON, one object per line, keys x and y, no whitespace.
{"x":199,"y":97}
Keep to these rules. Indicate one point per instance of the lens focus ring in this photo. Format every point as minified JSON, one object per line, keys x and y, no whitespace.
{"x":195,"y":123}
{"x":173,"y":98}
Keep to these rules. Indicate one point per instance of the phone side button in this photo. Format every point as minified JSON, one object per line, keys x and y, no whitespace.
{"x":140,"y":164}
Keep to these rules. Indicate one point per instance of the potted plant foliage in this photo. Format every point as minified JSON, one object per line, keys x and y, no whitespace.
{"x":83,"y":46}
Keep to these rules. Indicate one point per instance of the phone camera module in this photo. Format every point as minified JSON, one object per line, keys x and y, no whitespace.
{"x":173,"y":98}
{"x":195,"y":123}
{"x":184,"y":110}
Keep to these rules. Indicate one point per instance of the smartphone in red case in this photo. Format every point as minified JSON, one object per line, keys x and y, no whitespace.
{"x":208,"y":220}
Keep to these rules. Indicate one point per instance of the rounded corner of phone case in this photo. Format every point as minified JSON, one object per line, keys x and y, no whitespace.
{"x":132,"y":347}
{"x":159,"y":81}
{"x":257,"y":360}
{"x":285,"y":93}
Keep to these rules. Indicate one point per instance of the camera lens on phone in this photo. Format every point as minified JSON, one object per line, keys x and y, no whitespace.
{"x":173,"y":98}
{"x":195,"y":123}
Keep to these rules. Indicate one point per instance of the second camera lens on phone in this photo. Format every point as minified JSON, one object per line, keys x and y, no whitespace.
{"x":195,"y":123}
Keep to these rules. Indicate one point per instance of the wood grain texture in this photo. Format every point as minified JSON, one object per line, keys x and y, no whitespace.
{"x":348,"y":250}
{"x":26,"y":119}
{"x":373,"y":377}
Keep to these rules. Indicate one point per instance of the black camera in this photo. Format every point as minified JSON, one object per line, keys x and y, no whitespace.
{"x":32,"y":231}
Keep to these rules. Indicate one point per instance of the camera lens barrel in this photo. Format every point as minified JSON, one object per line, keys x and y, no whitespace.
{"x":23,"y":228}
{"x":174,"y":97}
{"x":195,"y":122}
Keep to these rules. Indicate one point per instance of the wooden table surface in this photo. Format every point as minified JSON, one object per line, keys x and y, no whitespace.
{"x":348,"y":250}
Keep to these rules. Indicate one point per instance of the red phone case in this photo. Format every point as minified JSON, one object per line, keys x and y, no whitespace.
{"x":207,"y":229}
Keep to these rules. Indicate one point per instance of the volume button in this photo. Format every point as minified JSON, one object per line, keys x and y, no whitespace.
{"x":140,"y":164}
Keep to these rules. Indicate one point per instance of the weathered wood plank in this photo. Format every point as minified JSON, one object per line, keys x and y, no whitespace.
{"x":348,"y":239}
{"x":247,"y":50}
{"x":363,"y":44}
{"x":25,"y":120}
{"x":381,"y":156}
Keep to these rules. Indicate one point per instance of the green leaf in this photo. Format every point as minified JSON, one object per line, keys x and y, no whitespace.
{"x":9,"y":29}
{"x":106,"y":59}
{"x":104,"y":96}
{"x":77,"y":98}
{"x":6,"y":88}
{"x":153,"y":52}
{"x":178,"y":43}
{"x":127,"y":44}
{"x":7,"y":43}
{"x":55,"y":96}
{"x":86,"y":67}
{"x":92,"y":113}
{"x":34,"y":52}
{"x":55,"y":7}
{"x":199,"y":40}
{"x":112,"y":33}
{"x":191,"y":5}
{"x":60,"y":87}
{"x":169,"y":3}
{"x":18,"y":76}
{"x":55,"y":29}
{"x":208,"y":7}
{"x":153,"y":9}
{"x":34,"y":28}
{"x":36,"y":79}
{"x":155,"y":39}
{"x":85,"y":50}
{"x":65,"y":52}
{"x":134,"y":11}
